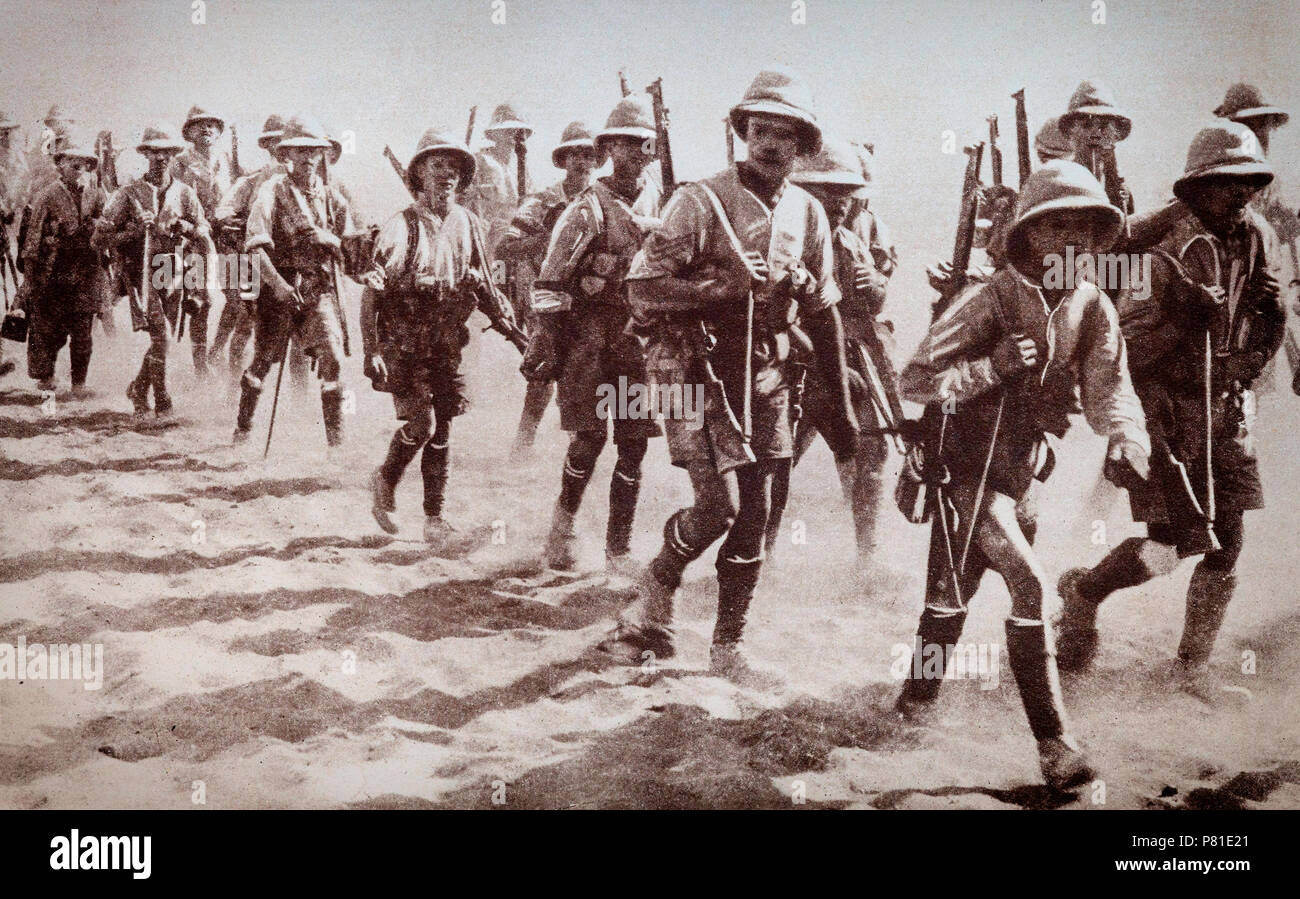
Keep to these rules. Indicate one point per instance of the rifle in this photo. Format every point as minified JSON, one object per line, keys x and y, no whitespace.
{"x":521,"y":167}
{"x":469,"y":129}
{"x":995,"y":152}
{"x":622,"y":83}
{"x":1022,"y":137}
{"x":731,"y":141}
{"x":236,"y":172}
{"x":397,"y":166}
{"x":106,"y":168}
{"x":334,"y":263}
{"x":921,"y":485}
{"x":662,"y":148}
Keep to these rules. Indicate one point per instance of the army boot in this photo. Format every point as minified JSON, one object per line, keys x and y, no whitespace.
{"x":250,"y":391}
{"x":1208,"y":595}
{"x":727,"y":658}
{"x":937,"y":628}
{"x":1033,"y":663}
{"x":331,"y":406}
{"x":649,"y":627}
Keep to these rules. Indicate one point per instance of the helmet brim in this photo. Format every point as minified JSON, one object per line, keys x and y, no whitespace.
{"x":509,"y":125}
{"x":1108,"y":215}
{"x":810,"y":133}
{"x":1106,"y":112}
{"x":558,"y":154}
{"x":1253,"y":171}
{"x":468,"y":164}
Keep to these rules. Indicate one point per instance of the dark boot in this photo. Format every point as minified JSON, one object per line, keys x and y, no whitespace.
{"x":138,"y":390}
{"x":1208,"y":596}
{"x":623,"y":491}
{"x":433,"y":468}
{"x":250,"y":391}
{"x":921,"y":687}
{"x":331,"y":406}
{"x":650,"y":627}
{"x":866,"y":500}
{"x":727,"y":658}
{"x":384,"y":480}
{"x":561,"y":541}
{"x":162,"y":401}
{"x":1029,"y":650}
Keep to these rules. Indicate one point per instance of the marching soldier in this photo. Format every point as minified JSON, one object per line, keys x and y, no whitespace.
{"x":744,"y":236}
{"x":207,"y":170}
{"x":430,"y":273}
{"x":231,"y":222}
{"x":297,"y":226}
{"x":64,"y":283}
{"x":835,"y":180}
{"x":496,"y":190}
{"x":581,"y":314}
{"x":1092,"y":127}
{"x":524,"y":245}
{"x":1244,"y":103}
{"x":1010,"y":354}
{"x":1213,"y":303}
{"x":168,"y":211}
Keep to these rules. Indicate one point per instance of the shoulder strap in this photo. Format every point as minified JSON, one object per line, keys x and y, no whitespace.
{"x":727,"y":228}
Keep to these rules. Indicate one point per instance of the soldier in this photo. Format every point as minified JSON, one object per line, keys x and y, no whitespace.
{"x":64,"y":283}
{"x":496,"y":190}
{"x":13,"y":198}
{"x":297,"y":226}
{"x":1212,"y":295}
{"x":1009,"y":354}
{"x":429,"y":274}
{"x":744,"y":235}
{"x":206,"y":170}
{"x":580,"y":306}
{"x":231,"y":222}
{"x":1092,"y":126}
{"x":170,"y":211}
{"x":524,"y":245}
{"x":1245,"y":103}
{"x":834,"y":178}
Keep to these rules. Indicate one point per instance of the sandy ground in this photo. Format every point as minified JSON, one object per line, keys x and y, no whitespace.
{"x":261,"y":636}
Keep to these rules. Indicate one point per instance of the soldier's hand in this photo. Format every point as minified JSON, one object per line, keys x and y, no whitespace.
{"x":148,"y":217}
{"x":541,"y":361}
{"x":940,"y":276}
{"x":646,"y":223}
{"x":865,"y":276}
{"x":376,"y":370}
{"x":1268,"y":295}
{"x":756,"y":265}
{"x":1127,"y":464}
{"x":1013,"y":355}
{"x":1209,"y":296}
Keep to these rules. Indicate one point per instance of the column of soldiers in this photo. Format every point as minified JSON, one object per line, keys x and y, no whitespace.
{"x":764,"y":284}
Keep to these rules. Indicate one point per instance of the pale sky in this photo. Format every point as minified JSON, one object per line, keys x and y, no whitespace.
{"x":895,"y":73}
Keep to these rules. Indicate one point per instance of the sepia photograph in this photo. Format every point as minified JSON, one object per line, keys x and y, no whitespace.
{"x":788,"y":405}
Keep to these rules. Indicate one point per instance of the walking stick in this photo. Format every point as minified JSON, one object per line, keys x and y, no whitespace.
{"x":275,"y":399}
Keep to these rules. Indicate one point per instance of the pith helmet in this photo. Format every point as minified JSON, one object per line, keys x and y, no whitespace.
{"x":1060,"y":185}
{"x":6,"y":123}
{"x":198,"y":115}
{"x":1225,"y":150}
{"x":867,"y":162}
{"x":272,"y":131}
{"x":1245,"y":101}
{"x":576,"y":136}
{"x":1096,"y":99}
{"x":336,"y":146}
{"x":303,"y":131}
{"x":631,"y":118}
{"x":780,"y":92}
{"x":1050,"y":142}
{"x":76,"y":146}
{"x":505,"y":118}
{"x":440,"y":140}
{"x":835,"y":165}
{"x":160,"y":136}
{"x":56,"y":115}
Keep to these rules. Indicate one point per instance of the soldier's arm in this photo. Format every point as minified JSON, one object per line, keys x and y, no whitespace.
{"x":569,"y":242}
{"x":1110,"y":404}
{"x":258,"y":239}
{"x":527,"y":235}
{"x":654,"y":283}
{"x":952,"y":361}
